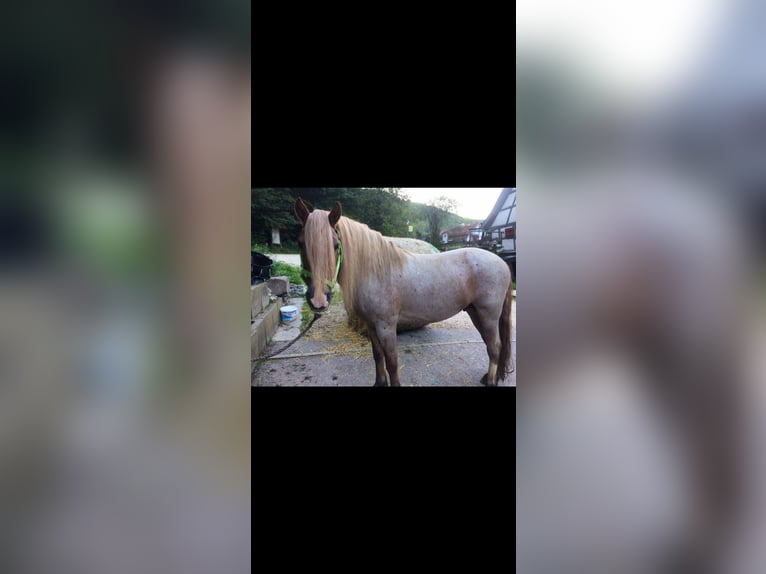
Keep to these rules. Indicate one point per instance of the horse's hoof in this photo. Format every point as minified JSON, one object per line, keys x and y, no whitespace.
{"x":485,"y":383}
{"x":380,"y":384}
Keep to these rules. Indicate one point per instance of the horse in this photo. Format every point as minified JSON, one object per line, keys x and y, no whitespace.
{"x":387,"y":287}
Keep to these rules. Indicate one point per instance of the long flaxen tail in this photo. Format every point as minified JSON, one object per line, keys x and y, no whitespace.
{"x":505,"y":363}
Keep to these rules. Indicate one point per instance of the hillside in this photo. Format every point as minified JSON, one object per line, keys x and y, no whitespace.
{"x":417,"y":219}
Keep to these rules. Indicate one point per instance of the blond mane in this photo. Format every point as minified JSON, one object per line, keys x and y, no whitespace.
{"x":365,"y":252}
{"x":322,"y":259}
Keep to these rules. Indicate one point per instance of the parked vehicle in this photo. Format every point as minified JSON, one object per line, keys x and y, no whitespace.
{"x":500,"y":228}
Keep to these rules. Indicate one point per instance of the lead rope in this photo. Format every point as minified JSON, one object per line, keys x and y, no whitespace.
{"x":290,"y":344}
{"x":316,"y":315}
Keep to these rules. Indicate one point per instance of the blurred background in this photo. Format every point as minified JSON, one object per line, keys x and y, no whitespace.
{"x":124,"y":172}
{"x":641,"y":151}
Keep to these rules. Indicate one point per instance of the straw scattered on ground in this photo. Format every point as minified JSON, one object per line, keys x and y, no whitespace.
{"x":334,"y":332}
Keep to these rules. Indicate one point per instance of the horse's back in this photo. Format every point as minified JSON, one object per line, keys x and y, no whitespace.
{"x":436,"y":287}
{"x":489,"y":272}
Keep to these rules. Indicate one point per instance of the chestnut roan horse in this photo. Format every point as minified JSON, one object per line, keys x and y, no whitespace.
{"x":386,"y":286}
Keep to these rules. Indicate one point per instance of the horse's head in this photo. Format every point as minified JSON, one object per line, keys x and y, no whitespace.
{"x":320,"y":252}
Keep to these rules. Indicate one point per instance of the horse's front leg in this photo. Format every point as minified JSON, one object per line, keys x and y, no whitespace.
{"x":377,"y":352}
{"x":386,"y":334}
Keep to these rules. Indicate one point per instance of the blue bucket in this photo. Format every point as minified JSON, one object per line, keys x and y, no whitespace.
{"x":289,"y":313}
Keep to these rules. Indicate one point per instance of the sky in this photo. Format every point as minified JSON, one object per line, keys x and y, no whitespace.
{"x":472,"y":202}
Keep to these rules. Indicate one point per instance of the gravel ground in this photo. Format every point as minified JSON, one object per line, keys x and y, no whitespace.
{"x":448,"y":353}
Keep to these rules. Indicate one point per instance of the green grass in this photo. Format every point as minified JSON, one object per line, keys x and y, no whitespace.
{"x":306,"y":316}
{"x":293,"y":272}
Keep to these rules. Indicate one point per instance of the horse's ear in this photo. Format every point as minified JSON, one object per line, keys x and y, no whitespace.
{"x":335,"y":214}
{"x":301,"y":211}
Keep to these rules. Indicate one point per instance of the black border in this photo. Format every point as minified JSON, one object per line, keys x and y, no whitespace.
{"x":439,"y":458}
{"x":443,"y":116}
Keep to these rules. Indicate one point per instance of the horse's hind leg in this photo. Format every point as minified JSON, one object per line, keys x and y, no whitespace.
{"x":489,"y":330}
{"x":377,"y":352}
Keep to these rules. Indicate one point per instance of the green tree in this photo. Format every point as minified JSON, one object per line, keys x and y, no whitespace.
{"x":271,"y":208}
{"x":382,"y":209}
{"x":437,"y":212}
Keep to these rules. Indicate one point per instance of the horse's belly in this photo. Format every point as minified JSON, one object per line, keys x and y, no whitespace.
{"x":428,"y":311}
{"x":435,"y":297}
{"x":401,"y":327}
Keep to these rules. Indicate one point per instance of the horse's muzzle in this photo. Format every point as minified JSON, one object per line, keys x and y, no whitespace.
{"x":310,"y":296}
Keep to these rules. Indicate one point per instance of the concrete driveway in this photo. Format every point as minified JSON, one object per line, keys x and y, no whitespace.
{"x":287,"y":258}
{"x":449,"y":353}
